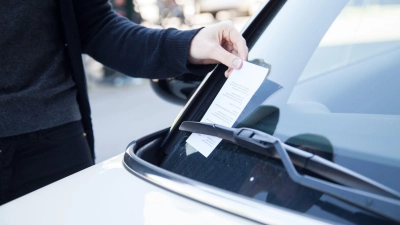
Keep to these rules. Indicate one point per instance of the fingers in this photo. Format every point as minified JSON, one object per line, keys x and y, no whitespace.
{"x":230,"y":69}
{"x":219,"y":43}
{"x":232,"y":35}
{"x":232,"y":42}
{"x":227,"y":58}
{"x":228,"y":72}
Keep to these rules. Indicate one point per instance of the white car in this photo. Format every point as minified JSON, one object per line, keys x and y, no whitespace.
{"x":316,"y":143}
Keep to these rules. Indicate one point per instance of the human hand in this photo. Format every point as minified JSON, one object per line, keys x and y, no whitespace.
{"x":219,"y":43}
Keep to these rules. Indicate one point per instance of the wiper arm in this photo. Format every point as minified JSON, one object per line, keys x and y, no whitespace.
{"x":357,"y":190}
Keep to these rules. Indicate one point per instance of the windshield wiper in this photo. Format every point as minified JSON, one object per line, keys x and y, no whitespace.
{"x":356,"y":189}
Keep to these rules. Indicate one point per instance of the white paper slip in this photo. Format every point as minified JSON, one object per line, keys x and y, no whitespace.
{"x":229,"y":103}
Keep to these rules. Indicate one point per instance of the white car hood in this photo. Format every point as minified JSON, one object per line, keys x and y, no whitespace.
{"x":107,"y":193}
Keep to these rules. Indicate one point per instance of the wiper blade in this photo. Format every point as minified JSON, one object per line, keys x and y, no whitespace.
{"x":357,"y":190}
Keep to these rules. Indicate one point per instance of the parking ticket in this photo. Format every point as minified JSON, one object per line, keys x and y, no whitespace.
{"x":229,"y":104}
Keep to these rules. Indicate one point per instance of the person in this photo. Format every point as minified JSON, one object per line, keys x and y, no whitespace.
{"x":45,"y":125}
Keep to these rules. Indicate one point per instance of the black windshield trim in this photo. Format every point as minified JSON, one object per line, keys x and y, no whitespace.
{"x":196,"y":107}
{"x":232,"y":203}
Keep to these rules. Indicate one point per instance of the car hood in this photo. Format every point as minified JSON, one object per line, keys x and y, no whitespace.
{"x":107,"y":193}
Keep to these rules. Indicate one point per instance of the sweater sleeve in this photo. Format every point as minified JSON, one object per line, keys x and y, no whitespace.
{"x":130,"y":48}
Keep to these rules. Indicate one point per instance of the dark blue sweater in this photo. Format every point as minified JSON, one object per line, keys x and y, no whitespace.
{"x":91,"y":27}
{"x":36,"y":90}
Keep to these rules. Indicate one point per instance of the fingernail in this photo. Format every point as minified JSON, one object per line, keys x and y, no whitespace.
{"x":237,"y":63}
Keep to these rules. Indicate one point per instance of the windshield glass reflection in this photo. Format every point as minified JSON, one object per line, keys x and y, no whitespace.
{"x":332,"y":90}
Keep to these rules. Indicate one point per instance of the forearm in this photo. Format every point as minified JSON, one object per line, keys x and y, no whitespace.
{"x":130,"y":48}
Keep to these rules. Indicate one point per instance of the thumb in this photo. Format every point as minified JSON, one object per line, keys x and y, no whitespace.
{"x":228,"y":59}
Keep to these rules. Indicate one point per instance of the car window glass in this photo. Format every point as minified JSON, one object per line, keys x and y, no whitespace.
{"x":337,"y":64}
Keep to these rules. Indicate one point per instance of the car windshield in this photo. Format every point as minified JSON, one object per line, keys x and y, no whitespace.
{"x":332,"y":90}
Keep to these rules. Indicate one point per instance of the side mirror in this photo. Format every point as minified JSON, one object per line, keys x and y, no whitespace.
{"x":177,"y":90}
